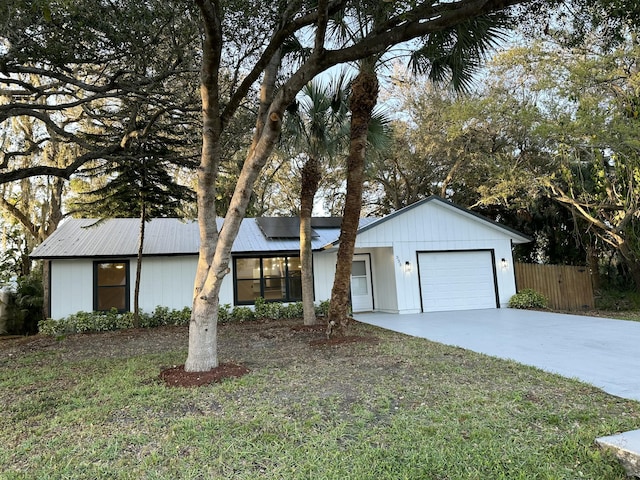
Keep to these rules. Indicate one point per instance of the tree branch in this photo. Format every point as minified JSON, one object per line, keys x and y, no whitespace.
{"x":62,"y":172}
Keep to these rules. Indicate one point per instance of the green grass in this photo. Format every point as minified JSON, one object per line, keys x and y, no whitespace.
{"x":402,"y":409}
{"x":632,"y":315}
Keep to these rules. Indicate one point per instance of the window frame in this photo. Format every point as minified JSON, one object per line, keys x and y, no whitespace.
{"x":286,"y":278}
{"x":127,"y":285}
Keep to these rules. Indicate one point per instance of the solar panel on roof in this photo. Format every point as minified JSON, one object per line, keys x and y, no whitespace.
{"x":326,"y":222}
{"x":281,"y":227}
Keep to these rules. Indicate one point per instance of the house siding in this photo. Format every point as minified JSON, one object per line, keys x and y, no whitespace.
{"x":165,"y":281}
{"x":324,"y":265}
{"x":433,"y":226}
{"x":429,"y":226}
{"x":383,"y":270}
{"x":71,"y":287}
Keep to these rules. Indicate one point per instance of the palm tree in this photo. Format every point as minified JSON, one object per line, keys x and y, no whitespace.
{"x":451,"y":55}
{"x":318,"y":130}
{"x":364,"y":96}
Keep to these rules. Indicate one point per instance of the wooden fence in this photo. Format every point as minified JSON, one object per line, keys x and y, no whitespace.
{"x":566,"y":287}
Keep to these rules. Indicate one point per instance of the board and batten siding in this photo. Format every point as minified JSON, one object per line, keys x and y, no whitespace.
{"x":436,"y":227}
{"x":324,"y":266}
{"x":165,"y":281}
{"x":71,"y":287}
{"x":384,"y":272}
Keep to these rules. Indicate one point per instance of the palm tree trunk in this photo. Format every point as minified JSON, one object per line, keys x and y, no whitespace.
{"x":308,"y":188}
{"x":364,"y":95}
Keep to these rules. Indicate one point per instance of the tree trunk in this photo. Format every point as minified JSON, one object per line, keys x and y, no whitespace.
{"x":215,"y":247}
{"x":594,"y":266}
{"x":364,"y":95}
{"x":203,"y":354}
{"x":309,"y":182}
{"x":136,"y":291}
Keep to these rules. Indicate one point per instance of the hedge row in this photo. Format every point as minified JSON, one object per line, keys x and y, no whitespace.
{"x":82,"y":322}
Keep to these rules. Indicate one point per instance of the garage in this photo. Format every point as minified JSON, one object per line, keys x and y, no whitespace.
{"x":457,"y":280}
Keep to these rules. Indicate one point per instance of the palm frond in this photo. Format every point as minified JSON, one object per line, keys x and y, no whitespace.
{"x":455,"y":54}
{"x":379,"y":135}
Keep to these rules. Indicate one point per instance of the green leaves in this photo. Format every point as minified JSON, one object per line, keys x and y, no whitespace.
{"x":455,"y":54}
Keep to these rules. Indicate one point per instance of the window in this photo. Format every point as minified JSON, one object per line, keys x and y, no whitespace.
{"x":275,"y":279}
{"x":111,"y":286}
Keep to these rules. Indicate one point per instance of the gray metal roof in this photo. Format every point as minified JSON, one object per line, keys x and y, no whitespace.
{"x":118,"y":237}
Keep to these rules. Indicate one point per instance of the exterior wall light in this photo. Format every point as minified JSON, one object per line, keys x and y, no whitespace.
{"x":407,"y":267}
{"x":504,"y":265}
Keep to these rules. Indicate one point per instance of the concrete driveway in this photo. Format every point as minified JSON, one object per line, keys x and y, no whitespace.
{"x":599,"y":351}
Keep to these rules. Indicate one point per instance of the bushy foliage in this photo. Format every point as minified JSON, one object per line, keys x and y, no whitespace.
{"x":617,"y":300}
{"x":292,"y":310}
{"x":242,"y":314}
{"x":276,"y":310}
{"x":528,"y":298}
{"x":82,"y":322}
{"x":25,"y":305}
{"x":224,"y":313}
{"x":322,"y":309}
{"x":261,"y":308}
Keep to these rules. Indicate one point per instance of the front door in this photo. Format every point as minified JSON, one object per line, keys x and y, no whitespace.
{"x":361,"y":294}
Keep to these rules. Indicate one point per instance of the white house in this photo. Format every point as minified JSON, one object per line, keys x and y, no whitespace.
{"x":429,"y":256}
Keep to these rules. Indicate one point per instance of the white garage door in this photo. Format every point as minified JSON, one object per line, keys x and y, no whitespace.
{"x":457,"y":280}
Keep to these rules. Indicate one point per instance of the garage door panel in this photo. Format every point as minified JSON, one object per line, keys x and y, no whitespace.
{"x":457,"y":280}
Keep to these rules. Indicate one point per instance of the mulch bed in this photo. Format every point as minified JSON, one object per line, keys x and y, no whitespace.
{"x":177,"y":377}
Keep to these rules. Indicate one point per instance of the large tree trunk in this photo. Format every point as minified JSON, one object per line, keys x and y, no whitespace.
{"x":203,"y":354}
{"x":364,"y":95}
{"x":215,"y":247}
{"x":309,"y":182}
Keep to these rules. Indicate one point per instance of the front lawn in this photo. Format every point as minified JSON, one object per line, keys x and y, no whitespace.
{"x":91,"y":406}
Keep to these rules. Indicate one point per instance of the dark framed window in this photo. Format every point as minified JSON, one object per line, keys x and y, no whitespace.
{"x":111,"y":285}
{"x":276,"y":279}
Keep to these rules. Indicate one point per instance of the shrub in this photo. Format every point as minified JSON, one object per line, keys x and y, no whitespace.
{"x":616,"y":300}
{"x":322,"y":310}
{"x":242,"y":314}
{"x":25,"y":305}
{"x":182,"y":317}
{"x":293,"y":310}
{"x":224,"y":313}
{"x":528,"y":298}
{"x":270,"y":310}
{"x":274,"y":311}
{"x":125,"y":320}
{"x":53,"y":328}
{"x":260,"y":307}
{"x":82,"y":322}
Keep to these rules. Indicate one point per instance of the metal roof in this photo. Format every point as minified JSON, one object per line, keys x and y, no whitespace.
{"x":516,"y":236}
{"x":118,"y":237}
